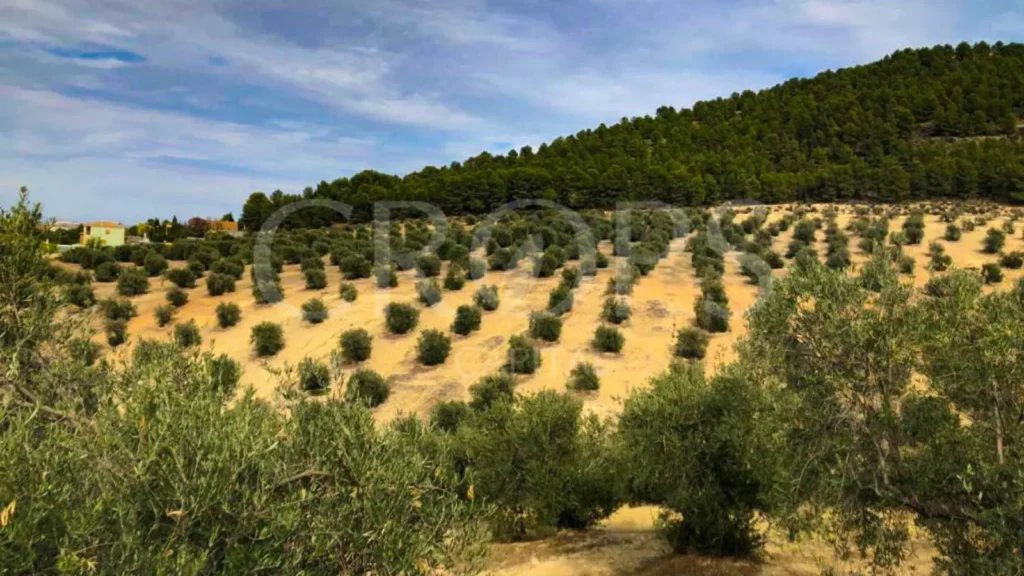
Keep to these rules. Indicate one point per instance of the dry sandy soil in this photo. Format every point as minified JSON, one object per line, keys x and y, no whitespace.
{"x":662,"y":302}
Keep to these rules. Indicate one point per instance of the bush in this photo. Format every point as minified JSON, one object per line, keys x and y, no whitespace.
{"x":608,"y":339}
{"x":354,"y":266}
{"x":715,"y":473}
{"x":583,"y":378}
{"x":467,"y":319}
{"x":428,"y":265}
{"x":428,"y":291}
{"x":491,"y":389}
{"x":545,"y":326}
{"x":711,"y":316}
{"x":117,"y":332}
{"x":545,"y":265}
{"x":523,"y":357}
{"x":314,"y":376}
{"x":487,"y":298}
{"x":368,"y":388}
{"x":80,"y":295}
{"x":600,"y":260}
{"x":311,"y":263}
{"x":691,"y":343}
{"x":477,"y":269}
{"x":228,"y":267}
{"x":1012,"y":260}
{"x":571,"y":277}
{"x":107,"y":271}
{"x":616,"y":310}
{"x":267,"y":339}
{"x":119,"y":309}
{"x":588,"y":265}
{"x":906,"y":264}
{"x":560,"y":300}
{"x":991,"y":273}
{"x":994,"y":241}
{"x":316,"y":279}
{"x":348,"y":292}
{"x":314,"y":311}
{"x":224,"y":374}
{"x":164,"y":315}
{"x":182,"y":278}
{"x":448,"y":416}
{"x":433,"y":347}
{"x":356,"y":345}
{"x":385,"y":276}
{"x":400,"y":318}
{"x":132,"y":282}
{"x":952,"y":233}
{"x":187,"y":335}
{"x":154,"y":264}
{"x":218,"y":284}
{"x":228,"y":314}
{"x":455,"y":279}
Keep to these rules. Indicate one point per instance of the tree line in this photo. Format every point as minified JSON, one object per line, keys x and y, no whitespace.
{"x":920,"y":123}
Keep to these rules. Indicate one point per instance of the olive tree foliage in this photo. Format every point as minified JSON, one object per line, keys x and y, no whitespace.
{"x":153,"y":465}
{"x":873,"y":452}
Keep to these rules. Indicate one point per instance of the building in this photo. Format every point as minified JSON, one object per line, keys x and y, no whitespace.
{"x":222,"y":226}
{"x":108,"y":233}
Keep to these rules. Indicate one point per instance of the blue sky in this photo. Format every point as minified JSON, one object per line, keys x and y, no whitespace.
{"x":125,"y":109}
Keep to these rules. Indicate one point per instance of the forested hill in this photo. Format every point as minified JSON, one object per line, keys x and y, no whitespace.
{"x":932,"y":122}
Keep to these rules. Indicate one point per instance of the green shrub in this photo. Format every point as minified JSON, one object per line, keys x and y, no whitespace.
{"x":691,"y":343}
{"x":1012,"y":260}
{"x":368,"y":388}
{"x":467,"y":319}
{"x":448,"y":416}
{"x":455,"y":279}
{"x":715,"y":473}
{"x":348,"y":292}
{"x":545,"y":326}
{"x":583,"y":378}
{"x":711,"y":316}
{"x":154,"y":264}
{"x":401,"y":318}
{"x":433,"y":347}
{"x":560,"y":300}
{"x":477,"y":269}
{"x":311,"y":263}
{"x":187,"y":335}
{"x":80,"y":295}
{"x":316,"y":279}
{"x":545,"y":265}
{"x":616,"y":310}
{"x":385,"y":276}
{"x":991,"y":273}
{"x":428,"y":291}
{"x":906,"y":264}
{"x":228,"y":314}
{"x":314,"y":376}
{"x":952,"y":233}
{"x":600,"y":260}
{"x":229,"y":267}
{"x":218,"y":284}
{"x":132,"y":282}
{"x":608,"y":339}
{"x":118,"y":309}
{"x":354,"y":266}
{"x":314,"y":311}
{"x":182,"y":278}
{"x":164,"y":314}
{"x":117,"y":332}
{"x":428,"y":266}
{"x":490,"y":389}
{"x":356,"y":345}
{"x":994,"y":241}
{"x":224,"y":374}
{"x":523,"y":357}
{"x":486,"y":297}
{"x":267,"y":339}
{"x":571,"y":277}
{"x":107,"y":271}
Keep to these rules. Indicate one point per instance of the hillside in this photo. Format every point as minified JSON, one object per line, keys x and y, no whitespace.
{"x":917,"y":124}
